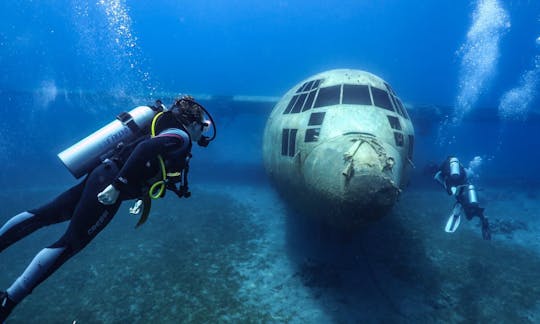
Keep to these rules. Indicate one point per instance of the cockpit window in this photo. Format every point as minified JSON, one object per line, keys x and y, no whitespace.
{"x":316,"y":118}
{"x":309,"y":100}
{"x":400,"y":105}
{"x":303,"y":99}
{"x":398,"y":137}
{"x":411,"y":147}
{"x":312,"y":135}
{"x":328,"y":96}
{"x":288,"y":141}
{"x":291,"y":104}
{"x":390,"y":90}
{"x":302,"y":87}
{"x":285,"y":142}
{"x":309,"y":95}
{"x":381,"y":99}
{"x":396,"y":107}
{"x":394,"y":122}
{"x":299,"y":103}
{"x":316,"y":84}
{"x":356,"y":95}
{"x":309,"y":85}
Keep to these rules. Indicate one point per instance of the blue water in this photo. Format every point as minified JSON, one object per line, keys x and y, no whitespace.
{"x":468,"y":71}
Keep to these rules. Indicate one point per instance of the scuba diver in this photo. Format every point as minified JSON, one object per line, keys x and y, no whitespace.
{"x":454,"y":178}
{"x":150,"y":154}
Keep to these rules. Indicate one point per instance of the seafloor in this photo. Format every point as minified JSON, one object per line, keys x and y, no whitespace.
{"x":234,"y":253}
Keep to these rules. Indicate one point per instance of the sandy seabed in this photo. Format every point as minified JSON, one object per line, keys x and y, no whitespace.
{"x":236,"y":253}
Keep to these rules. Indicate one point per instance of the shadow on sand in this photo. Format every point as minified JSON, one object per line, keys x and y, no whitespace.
{"x":404,"y":268}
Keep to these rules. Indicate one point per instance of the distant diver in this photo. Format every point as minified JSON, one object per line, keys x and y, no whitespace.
{"x":453,"y":177}
{"x":155,"y":159}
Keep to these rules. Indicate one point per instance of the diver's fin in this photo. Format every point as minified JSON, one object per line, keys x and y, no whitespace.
{"x":454,"y":219}
{"x":147,"y":203}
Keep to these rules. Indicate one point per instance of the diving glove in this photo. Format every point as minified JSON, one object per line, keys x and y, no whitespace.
{"x":136,"y":209}
{"x":109,"y":195}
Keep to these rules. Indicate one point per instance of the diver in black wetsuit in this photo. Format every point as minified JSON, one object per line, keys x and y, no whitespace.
{"x":453,"y":177}
{"x":90,"y":205}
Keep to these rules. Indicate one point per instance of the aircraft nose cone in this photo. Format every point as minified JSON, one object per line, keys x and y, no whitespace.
{"x":356,"y":171}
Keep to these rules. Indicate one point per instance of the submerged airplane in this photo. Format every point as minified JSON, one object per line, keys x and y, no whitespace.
{"x":339,"y":146}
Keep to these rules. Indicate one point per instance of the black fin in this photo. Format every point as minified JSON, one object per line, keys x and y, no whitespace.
{"x":147,"y":203}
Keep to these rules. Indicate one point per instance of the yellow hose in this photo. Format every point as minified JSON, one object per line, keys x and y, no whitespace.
{"x":154,"y":121}
{"x":160,"y":183}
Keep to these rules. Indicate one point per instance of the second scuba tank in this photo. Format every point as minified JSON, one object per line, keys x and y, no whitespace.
{"x":86,"y":154}
{"x":471,"y":195}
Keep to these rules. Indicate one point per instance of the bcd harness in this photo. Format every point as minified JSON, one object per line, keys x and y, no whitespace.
{"x":168,"y":179}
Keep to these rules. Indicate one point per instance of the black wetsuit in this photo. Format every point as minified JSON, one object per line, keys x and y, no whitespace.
{"x":86,"y":215}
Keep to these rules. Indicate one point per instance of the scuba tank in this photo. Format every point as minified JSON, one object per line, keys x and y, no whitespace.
{"x":86,"y":154}
{"x":454,"y":168}
{"x":471,"y":195}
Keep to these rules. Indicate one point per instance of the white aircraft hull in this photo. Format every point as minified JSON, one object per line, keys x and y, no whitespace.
{"x":344,"y":163}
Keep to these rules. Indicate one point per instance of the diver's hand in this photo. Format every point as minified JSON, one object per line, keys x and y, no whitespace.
{"x":136,"y":209}
{"x":109,"y":195}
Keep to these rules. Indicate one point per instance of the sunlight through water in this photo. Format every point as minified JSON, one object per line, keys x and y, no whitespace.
{"x":480,"y":54}
{"x":120,"y":27}
{"x":113,"y":58}
{"x":46,"y":93}
{"x":515,"y":103}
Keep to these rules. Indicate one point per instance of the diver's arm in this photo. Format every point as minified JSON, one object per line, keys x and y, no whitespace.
{"x":138,"y":159}
{"x":132,"y":171}
{"x":439,"y":178}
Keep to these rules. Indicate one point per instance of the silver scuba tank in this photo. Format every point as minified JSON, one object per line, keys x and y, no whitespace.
{"x":471,"y":195}
{"x":454,"y":167}
{"x":86,"y":154}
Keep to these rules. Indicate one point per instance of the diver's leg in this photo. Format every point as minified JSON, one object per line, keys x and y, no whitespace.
{"x":89,"y":218}
{"x":484,"y":223}
{"x":25,"y":223}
